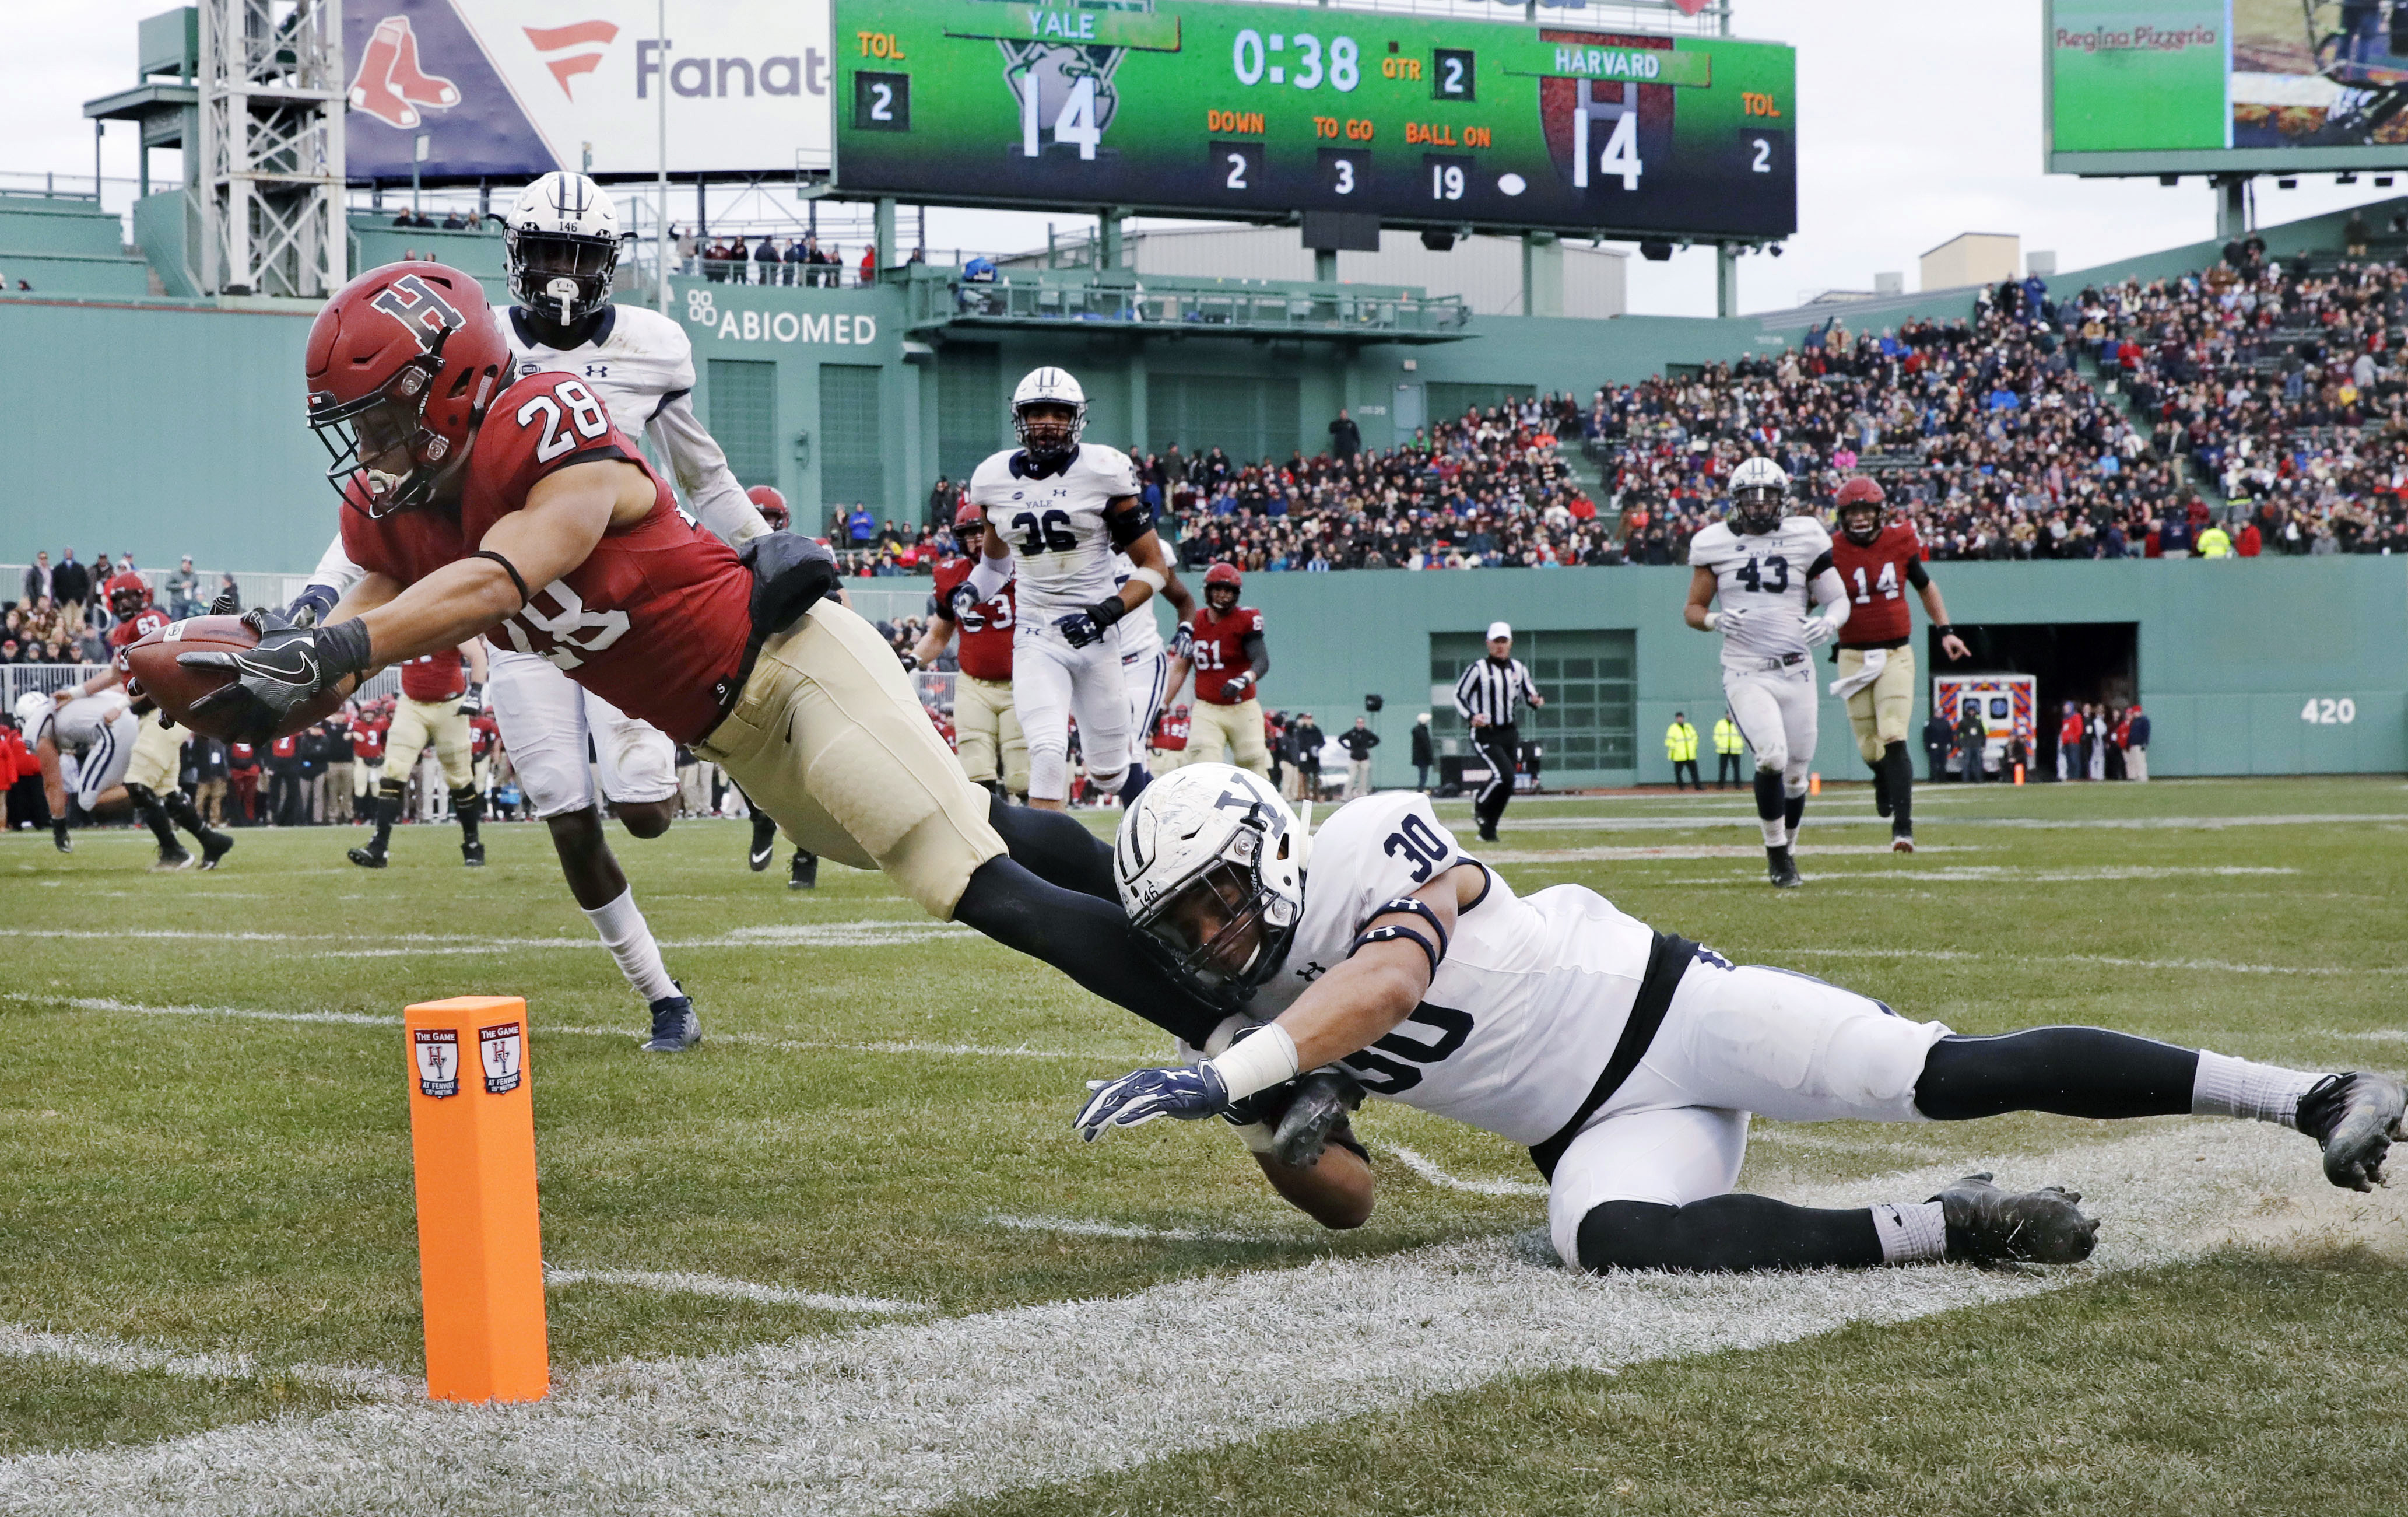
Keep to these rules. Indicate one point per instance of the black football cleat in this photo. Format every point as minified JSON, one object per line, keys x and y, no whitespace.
{"x":472,"y":855}
{"x":1782,"y":869}
{"x":59,"y":838}
{"x":367,"y":857}
{"x":1488,"y":834}
{"x":215,"y":847}
{"x":765,"y":843}
{"x":2355,"y":1118}
{"x":675,"y":1026}
{"x":1990,"y":1226}
{"x":1881,"y":790}
{"x":804,"y":874}
{"x":169,"y":862}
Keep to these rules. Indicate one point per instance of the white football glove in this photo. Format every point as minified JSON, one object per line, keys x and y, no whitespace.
{"x":1819,"y":630}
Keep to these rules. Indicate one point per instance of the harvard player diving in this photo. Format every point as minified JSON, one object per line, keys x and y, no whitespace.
{"x":1057,"y":509}
{"x":1627,"y":1059}
{"x":1770,"y":571}
{"x":561,"y":243}
{"x":475,"y":504}
{"x":1876,"y":562}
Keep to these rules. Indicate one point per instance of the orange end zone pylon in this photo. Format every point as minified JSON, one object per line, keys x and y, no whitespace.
{"x":479,"y":1242}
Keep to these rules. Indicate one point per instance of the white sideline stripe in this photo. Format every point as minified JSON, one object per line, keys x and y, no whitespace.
{"x":1433,"y":1175}
{"x":1990,"y":874}
{"x":861,"y":934}
{"x":720,"y":1285}
{"x":2216,"y":966}
{"x":755,"y":1040}
{"x":903,"y":1417}
{"x":1700,"y":850}
{"x":1081,"y":1227}
{"x":99,"y":1352}
{"x":1827,"y":816}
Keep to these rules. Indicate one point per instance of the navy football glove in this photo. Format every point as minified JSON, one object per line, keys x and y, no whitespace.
{"x":472,"y":699}
{"x":1238,"y":687}
{"x":1182,"y":643}
{"x":1190,"y":1095}
{"x":1081,"y":627}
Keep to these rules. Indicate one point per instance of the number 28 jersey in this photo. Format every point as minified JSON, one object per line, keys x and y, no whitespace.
{"x":1055,"y":522}
{"x":1768,"y":578}
{"x":1527,"y":1004}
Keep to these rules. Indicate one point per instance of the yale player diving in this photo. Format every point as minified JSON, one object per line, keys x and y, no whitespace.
{"x":1057,"y":509}
{"x":1627,"y":1059}
{"x":562,"y":240}
{"x":1769,"y":571}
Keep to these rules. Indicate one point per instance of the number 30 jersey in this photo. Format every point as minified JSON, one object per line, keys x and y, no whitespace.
{"x":1054,"y":519}
{"x":1766,"y":579}
{"x":1527,"y":1004}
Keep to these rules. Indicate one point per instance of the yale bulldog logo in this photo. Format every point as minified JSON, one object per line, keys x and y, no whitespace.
{"x":439,"y":1061}
{"x":503,"y":1050}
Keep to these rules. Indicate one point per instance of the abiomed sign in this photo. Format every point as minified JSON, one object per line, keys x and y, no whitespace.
{"x":730,"y":325}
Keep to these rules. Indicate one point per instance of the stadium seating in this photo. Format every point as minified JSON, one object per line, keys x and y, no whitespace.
{"x":66,"y":245}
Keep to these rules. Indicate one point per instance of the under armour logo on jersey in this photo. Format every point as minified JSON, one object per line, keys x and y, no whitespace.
{"x":1310,"y":971}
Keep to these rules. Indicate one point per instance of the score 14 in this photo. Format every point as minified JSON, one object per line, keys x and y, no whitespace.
{"x":1075,"y":123}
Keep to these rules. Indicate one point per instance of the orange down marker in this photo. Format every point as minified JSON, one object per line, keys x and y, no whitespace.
{"x":479,"y":1242}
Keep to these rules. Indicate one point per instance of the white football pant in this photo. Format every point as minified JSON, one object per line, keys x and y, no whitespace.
{"x":1053,"y":682}
{"x":1146,"y":676}
{"x":1736,"y":1043}
{"x":101,"y":731}
{"x":1775,"y":710}
{"x":546,"y":718}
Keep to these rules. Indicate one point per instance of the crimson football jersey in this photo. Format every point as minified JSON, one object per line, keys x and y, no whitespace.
{"x":136,"y":627}
{"x":1877,"y":579}
{"x":985,"y":628}
{"x":654,"y":620}
{"x":434,"y":676}
{"x":1221,"y":651}
{"x":482,"y":732}
{"x":367,"y":742}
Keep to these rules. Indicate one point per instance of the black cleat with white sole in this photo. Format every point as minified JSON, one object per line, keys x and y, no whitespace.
{"x":215,"y":847}
{"x":804,"y":873}
{"x":765,"y":843}
{"x":367,"y":857}
{"x":472,"y":855}
{"x":2355,"y":1118}
{"x":1782,"y":869}
{"x":675,"y":1026}
{"x":168,"y":863}
{"x":1990,"y":1226}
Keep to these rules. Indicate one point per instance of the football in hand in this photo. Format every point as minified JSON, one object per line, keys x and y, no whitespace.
{"x":151,"y":670}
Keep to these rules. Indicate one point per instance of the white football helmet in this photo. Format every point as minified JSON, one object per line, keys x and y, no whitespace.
{"x":34,"y":712}
{"x":1759,"y":494}
{"x":562,"y":246}
{"x":1208,"y":852}
{"x":1044,"y":438}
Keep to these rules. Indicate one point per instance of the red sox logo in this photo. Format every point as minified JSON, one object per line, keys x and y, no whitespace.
{"x":390,"y":85}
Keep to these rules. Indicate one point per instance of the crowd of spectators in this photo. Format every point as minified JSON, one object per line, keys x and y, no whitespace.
{"x":61,"y":616}
{"x":773,"y":260}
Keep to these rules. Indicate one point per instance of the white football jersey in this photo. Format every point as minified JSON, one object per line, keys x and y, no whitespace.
{"x":1527,"y":1004}
{"x":1141,"y":628}
{"x":636,"y":362}
{"x":1055,"y":524}
{"x":1768,"y":581}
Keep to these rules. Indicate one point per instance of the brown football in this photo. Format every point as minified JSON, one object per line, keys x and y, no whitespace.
{"x":151,"y":670}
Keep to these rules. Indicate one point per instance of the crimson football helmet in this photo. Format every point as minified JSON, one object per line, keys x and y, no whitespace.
{"x":1859,"y":509}
{"x":969,"y":518}
{"x":767,"y":499}
{"x":402,"y":363}
{"x":1222,"y":576}
{"x":127,"y":595}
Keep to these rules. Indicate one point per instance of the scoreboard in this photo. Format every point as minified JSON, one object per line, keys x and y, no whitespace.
{"x":1256,"y":112}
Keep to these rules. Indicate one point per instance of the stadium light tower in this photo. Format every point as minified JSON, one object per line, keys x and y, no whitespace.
{"x":271,"y":175}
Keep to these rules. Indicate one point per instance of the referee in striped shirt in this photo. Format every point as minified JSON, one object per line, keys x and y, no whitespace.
{"x":1490,"y":696}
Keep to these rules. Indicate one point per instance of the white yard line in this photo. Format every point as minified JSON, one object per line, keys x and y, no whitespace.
{"x":1695,"y":850}
{"x":1082,"y":1227}
{"x":2214,"y":967}
{"x":123,"y":1357}
{"x":683,"y":1283}
{"x":855,"y":934}
{"x":1909,"y":875}
{"x":903,"y":1417}
{"x":1431,"y":1174}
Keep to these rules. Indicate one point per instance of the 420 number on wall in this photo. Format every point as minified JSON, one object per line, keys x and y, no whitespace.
{"x":1252,"y":113}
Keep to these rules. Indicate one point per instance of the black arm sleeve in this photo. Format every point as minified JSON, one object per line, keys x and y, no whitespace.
{"x":1915,"y":573}
{"x":1260,"y":653}
{"x":1814,"y":570}
{"x":1127,"y":520}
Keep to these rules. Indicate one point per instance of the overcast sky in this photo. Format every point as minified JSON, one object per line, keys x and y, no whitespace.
{"x":1915,"y":121}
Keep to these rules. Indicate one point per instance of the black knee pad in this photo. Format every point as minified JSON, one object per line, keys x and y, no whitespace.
{"x":142,"y":796}
{"x":467,"y":801}
{"x":1626,"y":1235}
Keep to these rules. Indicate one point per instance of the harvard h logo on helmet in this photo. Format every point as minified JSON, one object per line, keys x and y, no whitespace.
{"x":401,"y":365}
{"x":1049,"y":412}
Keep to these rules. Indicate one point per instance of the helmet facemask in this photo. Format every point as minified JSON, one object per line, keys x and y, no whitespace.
{"x":374,"y":429}
{"x":1864,"y":514}
{"x":1224,"y":910}
{"x":563,"y":277}
{"x":1049,"y":429}
{"x":1757,"y":508}
{"x":1223,"y":599}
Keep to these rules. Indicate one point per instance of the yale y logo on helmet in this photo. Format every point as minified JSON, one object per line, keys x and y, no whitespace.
{"x":1049,"y":412}
{"x":561,"y":243}
{"x":1759,"y":491}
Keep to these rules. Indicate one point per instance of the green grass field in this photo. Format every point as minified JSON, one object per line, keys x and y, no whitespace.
{"x":850,"y":1256}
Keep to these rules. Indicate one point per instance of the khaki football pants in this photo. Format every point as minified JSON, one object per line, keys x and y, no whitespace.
{"x":986,"y":725}
{"x":158,"y":756}
{"x":1238,"y":727}
{"x":1880,"y":712}
{"x":417,"y":723}
{"x":829,"y":738}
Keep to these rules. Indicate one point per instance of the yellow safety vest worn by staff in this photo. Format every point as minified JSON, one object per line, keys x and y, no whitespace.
{"x":1727,"y":738}
{"x":1680,"y":742}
